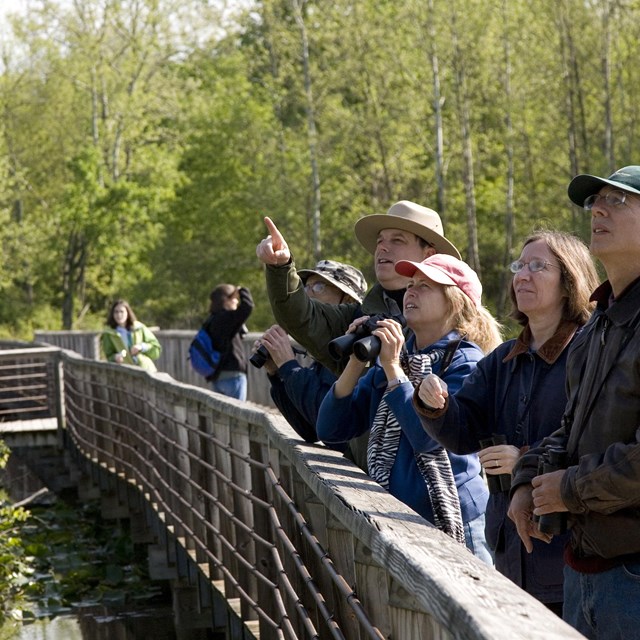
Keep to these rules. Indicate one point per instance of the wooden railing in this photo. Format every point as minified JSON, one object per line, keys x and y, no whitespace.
{"x":173,"y":360}
{"x":311,"y":546}
{"x":29,"y":382}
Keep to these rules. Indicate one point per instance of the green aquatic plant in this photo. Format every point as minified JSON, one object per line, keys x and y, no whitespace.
{"x":63,"y":557}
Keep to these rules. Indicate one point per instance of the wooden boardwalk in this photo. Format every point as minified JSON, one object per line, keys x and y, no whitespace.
{"x":304,"y":544}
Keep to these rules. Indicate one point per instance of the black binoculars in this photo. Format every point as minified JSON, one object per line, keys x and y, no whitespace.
{"x":501,"y":482}
{"x":361,"y":343}
{"x":259,"y":358}
{"x":553,"y":459}
{"x":261,"y":355}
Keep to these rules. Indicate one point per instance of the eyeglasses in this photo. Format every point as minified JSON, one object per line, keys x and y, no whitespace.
{"x":317,"y":287}
{"x":534,"y":265}
{"x":613,"y":198}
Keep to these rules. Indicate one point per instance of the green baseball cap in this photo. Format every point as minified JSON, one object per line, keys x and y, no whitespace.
{"x":585,"y":185}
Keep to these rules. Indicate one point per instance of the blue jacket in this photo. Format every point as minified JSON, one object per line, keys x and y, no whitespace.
{"x":342,"y":419}
{"x":298,"y":392}
{"x":521,"y":394}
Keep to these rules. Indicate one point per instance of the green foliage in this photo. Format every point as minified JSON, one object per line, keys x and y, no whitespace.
{"x":15,"y":571}
{"x":141,"y":143}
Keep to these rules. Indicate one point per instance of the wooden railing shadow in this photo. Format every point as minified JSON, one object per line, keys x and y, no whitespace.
{"x":307,"y":542}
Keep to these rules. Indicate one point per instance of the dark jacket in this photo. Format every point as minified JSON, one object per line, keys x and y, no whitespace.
{"x":520,"y":394}
{"x":226,"y":330}
{"x":298,"y":392}
{"x":342,"y":419}
{"x":601,"y":431}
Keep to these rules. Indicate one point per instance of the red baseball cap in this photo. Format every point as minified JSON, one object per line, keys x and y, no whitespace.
{"x":446,"y":270}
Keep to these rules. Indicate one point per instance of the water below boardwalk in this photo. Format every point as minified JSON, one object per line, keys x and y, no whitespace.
{"x":100,"y":623}
{"x":83,"y":578}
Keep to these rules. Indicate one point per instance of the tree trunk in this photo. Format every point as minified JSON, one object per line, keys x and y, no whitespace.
{"x":509,"y":212}
{"x":311,"y":128}
{"x":473,"y":253}
{"x":438,"y":101}
{"x":73,"y":272}
{"x":606,"y":73}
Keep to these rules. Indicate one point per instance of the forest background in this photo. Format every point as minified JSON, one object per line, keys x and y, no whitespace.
{"x":143,"y":141}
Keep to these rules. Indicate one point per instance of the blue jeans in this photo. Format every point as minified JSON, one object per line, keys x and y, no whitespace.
{"x":603,"y":605}
{"x":475,"y":540}
{"x":235,"y":387}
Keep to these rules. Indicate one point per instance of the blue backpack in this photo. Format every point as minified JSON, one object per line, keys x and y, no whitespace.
{"x":204,"y":359}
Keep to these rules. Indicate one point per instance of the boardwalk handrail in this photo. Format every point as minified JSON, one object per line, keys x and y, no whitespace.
{"x":29,"y":381}
{"x":311,"y":545}
{"x":173,"y":359}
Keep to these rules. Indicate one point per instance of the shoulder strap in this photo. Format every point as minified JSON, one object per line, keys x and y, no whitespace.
{"x":449,"y":352}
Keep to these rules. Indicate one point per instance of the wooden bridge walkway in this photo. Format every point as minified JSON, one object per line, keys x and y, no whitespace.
{"x":261,"y":534}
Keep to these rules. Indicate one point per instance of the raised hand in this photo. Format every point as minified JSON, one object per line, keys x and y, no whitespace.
{"x":273,"y":249}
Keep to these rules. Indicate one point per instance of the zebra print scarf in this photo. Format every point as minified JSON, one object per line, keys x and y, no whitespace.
{"x":434,"y":466}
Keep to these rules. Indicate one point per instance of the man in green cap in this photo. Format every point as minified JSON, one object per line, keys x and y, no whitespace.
{"x":598,"y":488}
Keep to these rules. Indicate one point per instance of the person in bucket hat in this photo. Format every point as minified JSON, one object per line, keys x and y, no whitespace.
{"x":295,"y":389}
{"x":597,"y":489}
{"x":343,"y":277}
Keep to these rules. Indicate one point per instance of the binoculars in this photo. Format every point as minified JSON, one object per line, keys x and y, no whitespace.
{"x":501,"y":482}
{"x":261,"y":355}
{"x":553,"y":459}
{"x":361,"y":343}
{"x":259,"y":358}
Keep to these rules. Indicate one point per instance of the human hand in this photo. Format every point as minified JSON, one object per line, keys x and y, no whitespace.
{"x":277,"y":342}
{"x":546,"y":493}
{"x":389,"y":332}
{"x":136,"y":349}
{"x":353,"y":326}
{"x":521,"y":512}
{"x":269,"y":365}
{"x":273,"y":249}
{"x":499,"y":458}
{"x":120,"y":356}
{"x":433,"y":391}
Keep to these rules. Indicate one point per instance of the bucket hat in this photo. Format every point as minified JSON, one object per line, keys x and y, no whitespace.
{"x":343,"y":276}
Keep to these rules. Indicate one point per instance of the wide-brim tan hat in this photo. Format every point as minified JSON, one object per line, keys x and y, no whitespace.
{"x":407,"y":216}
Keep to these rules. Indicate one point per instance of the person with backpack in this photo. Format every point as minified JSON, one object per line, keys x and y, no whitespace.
{"x":230,"y":307}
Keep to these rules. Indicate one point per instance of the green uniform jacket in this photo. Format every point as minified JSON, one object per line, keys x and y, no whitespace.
{"x":111,"y":344}
{"x":312,"y":323}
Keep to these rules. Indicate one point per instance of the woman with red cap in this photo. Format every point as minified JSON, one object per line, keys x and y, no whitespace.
{"x":451,"y":333}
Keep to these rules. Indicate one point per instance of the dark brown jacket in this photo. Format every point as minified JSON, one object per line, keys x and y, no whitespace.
{"x":601,"y":487}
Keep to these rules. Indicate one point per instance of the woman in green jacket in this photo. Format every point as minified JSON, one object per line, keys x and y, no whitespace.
{"x":128,"y":341}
